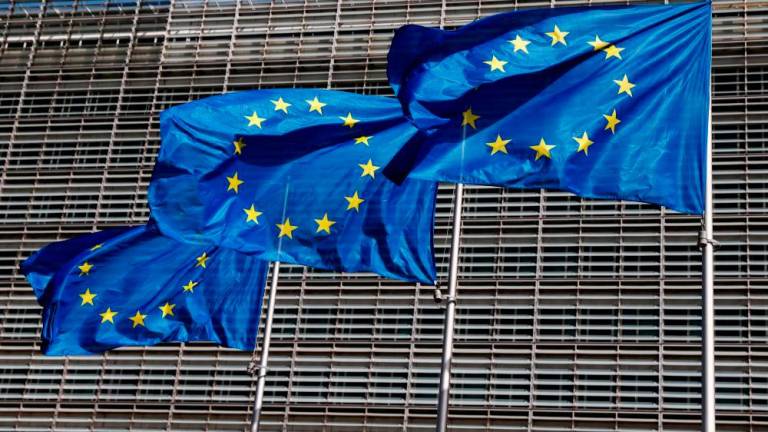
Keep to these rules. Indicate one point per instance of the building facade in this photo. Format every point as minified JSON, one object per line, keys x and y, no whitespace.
{"x":573,"y":315}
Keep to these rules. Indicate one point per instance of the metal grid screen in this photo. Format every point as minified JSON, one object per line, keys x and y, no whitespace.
{"x":572,"y":315}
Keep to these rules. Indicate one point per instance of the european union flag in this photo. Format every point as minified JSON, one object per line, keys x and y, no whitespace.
{"x":602,"y":101}
{"x":293,"y":175}
{"x":134,"y":286}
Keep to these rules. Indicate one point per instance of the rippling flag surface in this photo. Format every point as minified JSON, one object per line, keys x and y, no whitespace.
{"x":293,"y":175}
{"x":134,"y":286}
{"x":602,"y":101}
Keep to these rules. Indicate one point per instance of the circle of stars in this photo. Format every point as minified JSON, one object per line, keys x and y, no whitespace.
{"x":558,"y":37}
{"x":88,"y":298}
{"x":324,"y":224}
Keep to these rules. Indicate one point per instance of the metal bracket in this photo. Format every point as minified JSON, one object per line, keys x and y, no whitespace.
{"x":257,"y":370}
{"x":441,"y":299}
{"x":437,"y":295}
{"x":704,"y":241}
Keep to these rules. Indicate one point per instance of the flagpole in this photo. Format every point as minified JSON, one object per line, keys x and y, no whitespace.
{"x":262,"y":368}
{"x":708,"y":245}
{"x":450,"y":314}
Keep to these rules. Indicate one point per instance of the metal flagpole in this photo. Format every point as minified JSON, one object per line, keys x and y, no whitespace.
{"x":263,"y":361}
{"x":450,"y":314}
{"x":262,"y":368}
{"x":708,"y":245}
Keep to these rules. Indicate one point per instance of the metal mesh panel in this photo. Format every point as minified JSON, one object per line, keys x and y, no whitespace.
{"x":572,"y":315}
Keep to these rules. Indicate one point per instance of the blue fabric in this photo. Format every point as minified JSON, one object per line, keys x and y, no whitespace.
{"x":139,"y":270}
{"x":556,"y":88}
{"x":297,"y":164}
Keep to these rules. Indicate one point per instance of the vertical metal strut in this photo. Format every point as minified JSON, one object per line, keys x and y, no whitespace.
{"x":450,"y":314}
{"x":708,"y":245}
{"x":262,"y":368}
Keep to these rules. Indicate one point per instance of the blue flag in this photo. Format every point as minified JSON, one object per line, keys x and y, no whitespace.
{"x":134,"y":286}
{"x":602,"y":101}
{"x":293,"y":175}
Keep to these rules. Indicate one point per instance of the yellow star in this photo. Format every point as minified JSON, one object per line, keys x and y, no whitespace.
{"x":610,"y":49}
{"x":542,"y":149}
{"x":349,"y":120}
{"x":85,"y":268}
{"x":98,"y":246}
{"x":624,"y":85}
{"x":354,"y":202}
{"x":234,"y":183}
{"x":469,"y":118}
{"x":87,"y":297}
{"x":239,"y":145}
{"x":281,"y":105}
{"x":252,"y":215}
{"x":558,"y":36}
{"x":612,"y":121}
{"x":254,"y":119}
{"x":520,"y":44}
{"x":286,"y":229}
{"x":363,"y":139}
{"x":108,"y":315}
{"x":598,"y":44}
{"x":324,"y":224}
{"x":201,"y":260}
{"x":496,"y":64}
{"x":369,"y":169}
{"x":316,"y":105}
{"x":190,"y":286}
{"x":138,"y":319}
{"x":500,"y":145}
{"x":166,"y":309}
{"x":613,"y":51}
{"x":584,"y":143}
